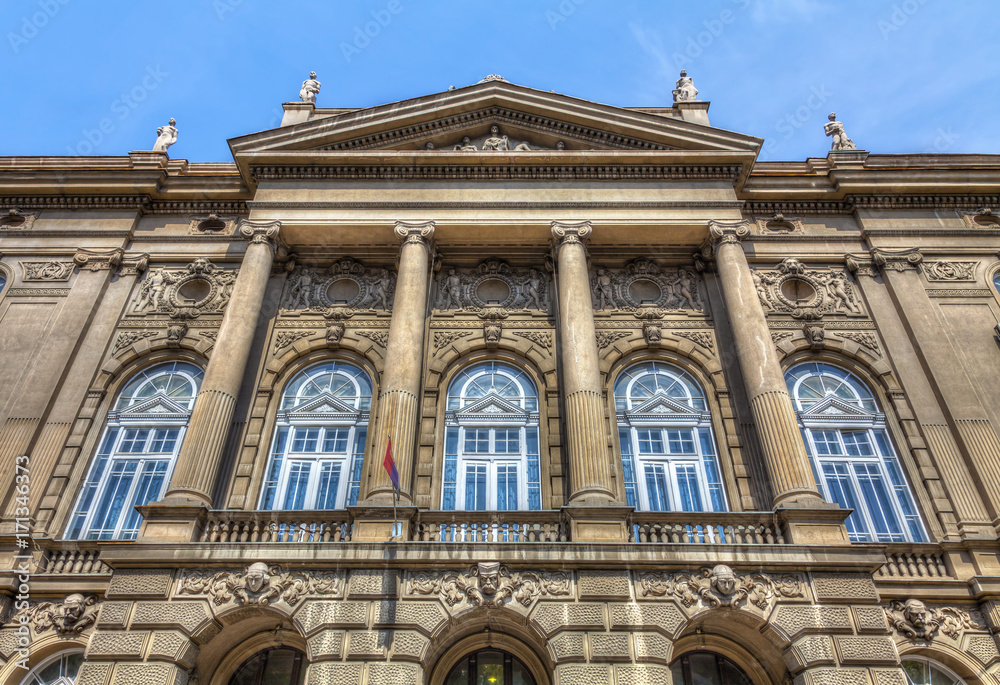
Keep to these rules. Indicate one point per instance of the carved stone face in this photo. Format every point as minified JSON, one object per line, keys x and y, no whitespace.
{"x":74,"y":606}
{"x":489,"y":578}
{"x":723,"y":580}
{"x":915,"y":612}
{"x":256,"y":576}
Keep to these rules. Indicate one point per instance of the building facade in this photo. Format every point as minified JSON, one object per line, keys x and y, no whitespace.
{"x":657,"y":412}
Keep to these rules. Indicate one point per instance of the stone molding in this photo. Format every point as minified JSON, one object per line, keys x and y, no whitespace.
{"x":505,"y":172}
{"x":489,"y":584}
{"x":259,"y":585}
{"x":720,"y":586}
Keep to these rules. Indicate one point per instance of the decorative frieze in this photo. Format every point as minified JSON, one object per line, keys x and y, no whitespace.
{"x":915,"y":620}
{"x":200,"y":288}
{"x":285,"y":338}
{"x":719,"y":586}
{"x":493,"y":284}
{"x":643,"y":282}
{"x":700,"y":338}
{"x":346,"y":283}
{"x":960,"y":292}
{"x":950,"y":271}
{"x":53,"y":270}
{"x":489,"y":584}
{"x":804,"y":293}
{"x":260,"y":584}
{"x":862,"y":338}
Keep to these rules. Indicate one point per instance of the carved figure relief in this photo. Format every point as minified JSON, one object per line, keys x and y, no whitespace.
{"x":493,"y":284}
{"x":347,"y":283}
{"x":950,"y":271}
{"x":47,"y":271}
{"x":260,"y":585}
{"x":642,"y":282}
{"x":806,"y":293}
{"x":917,"y":621}
{"x":75,"y":614}
{"x":496,"y":141}
{"x":489,"y":584}
{"x":199,"y":288}
{"x":720,"y":586}
{"x":492,"y":325}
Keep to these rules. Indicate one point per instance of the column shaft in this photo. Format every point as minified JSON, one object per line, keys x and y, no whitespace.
{"x":771,"y":407}
{"x":201,"y":453}
{"x":590,"y":466}
{"x":398,"y":410}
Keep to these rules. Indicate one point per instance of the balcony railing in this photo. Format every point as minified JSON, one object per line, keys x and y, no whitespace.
{"x":914,"y":562}
{"x":490,"y":526}
{"x":277,"y":526}
{"x":706,"y":528}
{"x":72,"y":561}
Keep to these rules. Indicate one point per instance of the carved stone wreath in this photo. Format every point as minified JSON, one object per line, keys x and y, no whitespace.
{"x":347,"y":284}
{"x":721,"y":587}
{"x":492,"y":285}
{"x":804,"y":293}
{"x":199,"y":288}
{"x":641,"y":283}
{"x":260,"y":584}
{"x":916,"y":621}
{"x":489,"y":584}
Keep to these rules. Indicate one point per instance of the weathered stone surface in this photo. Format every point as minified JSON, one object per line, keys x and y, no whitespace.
{"x":426,"y":617}
{"x":323,"y":614}
{"x":889,"y":676}
{"x":372,"y":583}
{"x":853,"y":587}
{"x":93,"y":674}
{"x":371,"y":644}
{"x":652,"y":647}
{"x":8,"y":642}
{"x":834,"y":676}
{"x":663,"y":617}
{"x":117,"y":645}
{"x":870,"y":619}
{"x":812,"y":650}
{"x":395,"y":674}
{"x":173,"y":646}
{"x":567,"y":647}
{"x":188,"y":616}
{"x":792,"y":621}
{"x":867,"y":650}
{"x":551,"y":617}
{"x":408,"y":644}
{"x":642,"y":674}
{"x":983,"y":647}
{"x":114,"y":615}
{"x":604,"y":584}
{"x":609,"y":647}
{"x":146,"y":674}
{"x":329,"y":673}
{"x":326,"y":644}
{"x":579,"y":674}
{"x":132,"y":582}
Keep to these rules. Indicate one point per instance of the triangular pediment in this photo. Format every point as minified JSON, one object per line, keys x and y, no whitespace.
{"x":492,"y":404}
{"x":324,"y":403}
{"x":159,"y":405}
{"x":489,"y":122}
{"x":661,"y":405}
{"x":832,"y":410}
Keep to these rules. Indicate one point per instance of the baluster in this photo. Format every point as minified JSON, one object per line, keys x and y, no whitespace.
{"x":643,"y":533}
{"x":77,"y":563}
{"x":891,"y":565}
{"x":727,"y":534}
{"x":88,"y":562}
{"x":60,"y":563}
{"x":769,"y":535}
{"x":942,"y":569}
{"x":931,"y":563}
{"x":921,"y":565}
{"x":911,"y":565}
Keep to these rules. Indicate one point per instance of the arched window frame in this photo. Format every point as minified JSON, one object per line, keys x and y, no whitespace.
{"x":930,"y":664}
{"x":851,"y":453}
{"x":491,"y":456}
{"x":5,"y":279}
{"x":137,"y":451}
{"x":66,"y":674}
{"x":320,"y":435}
{"x":669,"y":456}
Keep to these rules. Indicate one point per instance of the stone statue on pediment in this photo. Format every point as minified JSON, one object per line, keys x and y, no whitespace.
{"x":685,"y":91}
{"x":495,"y":141}
{"x":466,"y":145}
{"x":835,"y":130}
{"x":310,"y":88}
{"x":166,"y":136}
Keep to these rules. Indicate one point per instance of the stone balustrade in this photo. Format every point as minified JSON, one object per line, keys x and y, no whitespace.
{"x":490,"y":526}
{"x":706,"y":528}
{"x":277,"y":526}
{"x":914,"y":562}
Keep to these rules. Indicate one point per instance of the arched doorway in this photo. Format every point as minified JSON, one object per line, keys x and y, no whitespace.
{"x":489,"y":667}
{"x":707,"y":668}
{"x":273,"y":666}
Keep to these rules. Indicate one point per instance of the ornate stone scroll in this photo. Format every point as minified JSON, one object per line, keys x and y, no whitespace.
{"x":539,"y":338}
{"x":260,"y":584}
{"x":804,"y":293}
{"x":200,"y":288}
{"x":347,"y":283}
{"x":950,"y":271}
{"x":53,"y":270}
{"x":489,"y":584}
{"x":642,"y":282}
{"x":73,"y":615}
{"x":493,"y":284}
{"x":915,"y":620}
{"x":721,"y":587}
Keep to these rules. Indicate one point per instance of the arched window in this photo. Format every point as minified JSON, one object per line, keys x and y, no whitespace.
{"x":274,"y":666}
{"x":490,"y":666}
{"x":137,"y":452}
{"x":665,"y":432}
{"x":3,"y":280}
{"x":851,"y":455}
{"x":706,"y":668}
{"x":921,"y":671}
{"x":319,"y":443}
{"x":491,"y":441}
{"x":60,"y":670}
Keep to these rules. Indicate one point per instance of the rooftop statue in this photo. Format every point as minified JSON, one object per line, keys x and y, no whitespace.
{"x":840,"y":139}
{"x":686,"y":92}
{"x":166,"y":136}
{"x":310,"y":87}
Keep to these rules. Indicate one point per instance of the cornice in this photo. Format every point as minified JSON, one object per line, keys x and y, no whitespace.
{"x":223,"y":207}
{"x":506,"y":172}
{"x":83,"y":201}
{"x":493,"y":205}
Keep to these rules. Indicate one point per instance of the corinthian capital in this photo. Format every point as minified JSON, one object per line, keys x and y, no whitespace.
{"x":728,"y":231}
{"x":419,"y":233}
{"x":569,"y":234}
{"x":261,"y":231}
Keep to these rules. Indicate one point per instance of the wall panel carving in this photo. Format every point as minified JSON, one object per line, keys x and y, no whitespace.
{"x":642,"y":282}
{"x":347,"y":283}
{"x":804,"y":293}
{"x":493,"y":284}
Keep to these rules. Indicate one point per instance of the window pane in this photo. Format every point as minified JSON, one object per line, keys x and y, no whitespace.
{"x":826,"y":442}
{"x":295,"y":490}
{"x":650,"y":441}
{"x":628,"y":466}
{"x":134,"y":440}
{"x":508,"y":440}
{"x":329,"y":482}
{"x":448,"y":495}
{"x":150,"y":488}
{"x":335,"y":440}
{"x":475,"y":487}
{"x":306,"y":440}
{"x":858,"y":444}
{"x":506,"y":487}
{"x":113,"y":502}
{"x":687,"y":485}
{"x":656,"y":487}
{"x":876,"y":495}
{"x":277,"y":455}
{"x":477,"y":440}
{"x":841,"y":489}
{"x":164,"y":440}
{"x":534,"y":473}
{"x":680,"y":441}
{"x":354,"y":484}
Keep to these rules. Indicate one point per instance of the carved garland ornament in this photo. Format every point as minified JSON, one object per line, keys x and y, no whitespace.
{"x":378,"y":337}
{"x":915,"y":620}
{"x":492,"y":284}
{"x":199,"y":288}
{"x":347,"y":283}
{"x":950,"y":271}
{"x":721,"y":587}
{"x":489,"y":584}
{"x":47,"y":271}
{"x":806,"y":293}
{"x":259,"y":585}
{"x":641,"y":283}
{"x":605,"y":338}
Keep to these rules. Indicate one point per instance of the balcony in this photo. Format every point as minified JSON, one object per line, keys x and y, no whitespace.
{"x":705,"y":528}
{"x":490,"y":526}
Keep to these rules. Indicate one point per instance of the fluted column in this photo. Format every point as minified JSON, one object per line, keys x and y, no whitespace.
{"x":590,"y":464}
{"x":398,"y":410}
{"x":787,"y":463}
{"x":200,"y":455}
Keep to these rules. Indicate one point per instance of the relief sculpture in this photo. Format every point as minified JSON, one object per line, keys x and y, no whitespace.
{"x":347,"y":283}
{"x":804,"y":293}
{"x":201,"y":287}
{"x":493,"y":284}
{"x":643,"y":283}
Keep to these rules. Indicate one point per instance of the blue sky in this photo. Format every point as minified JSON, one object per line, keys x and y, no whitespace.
{"x":98,"y":76}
